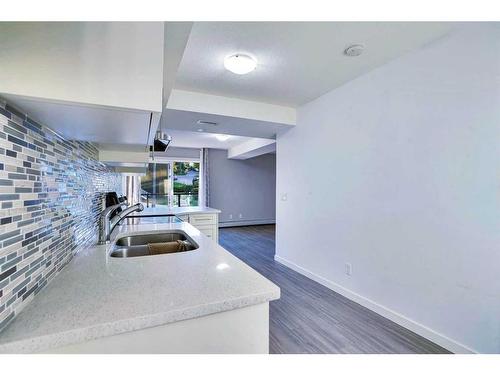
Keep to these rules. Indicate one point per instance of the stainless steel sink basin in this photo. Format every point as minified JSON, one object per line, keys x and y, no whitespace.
{"x":128,"y":252}
{"x":136,"y":245}
{"x":144,"y":239}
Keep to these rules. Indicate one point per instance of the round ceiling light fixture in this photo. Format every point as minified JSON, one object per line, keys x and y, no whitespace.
{"x":240,"y":64}
{"x":354,"y":50}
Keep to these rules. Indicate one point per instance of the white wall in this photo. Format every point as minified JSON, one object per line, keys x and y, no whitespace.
{"x":397,"y":172}
{"x":182,"y":153}
{"x":246,"y":187}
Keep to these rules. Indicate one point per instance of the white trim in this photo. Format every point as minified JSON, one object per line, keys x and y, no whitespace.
{"x":233,"y":107}
{"x":242,"y":223}
{"x":396,"y":317}
{"x":251,"y":148}
{"x":201,"y":183}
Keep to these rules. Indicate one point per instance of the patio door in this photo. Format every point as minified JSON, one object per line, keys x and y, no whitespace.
{"x":171,"y":184}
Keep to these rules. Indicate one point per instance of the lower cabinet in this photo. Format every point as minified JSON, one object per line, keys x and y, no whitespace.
{"x":208,"y":224}
{"x":209,"y":231}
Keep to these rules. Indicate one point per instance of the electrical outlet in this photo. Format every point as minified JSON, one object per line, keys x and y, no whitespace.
{"x":348,"y":269}
{"x":284,"y":196}
{"x":241,"y":216}
{"x":230,"y":216}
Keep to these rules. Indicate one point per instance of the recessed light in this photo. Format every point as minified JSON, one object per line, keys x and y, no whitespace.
{"x":200,"y":130}
{"x":203,"y":122}
{"x":222,"y":137}
{"x":240,"y":64}
{"x":354,"y":50}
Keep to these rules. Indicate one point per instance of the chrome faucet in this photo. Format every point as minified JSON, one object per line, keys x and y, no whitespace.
{"x":106,"y":225}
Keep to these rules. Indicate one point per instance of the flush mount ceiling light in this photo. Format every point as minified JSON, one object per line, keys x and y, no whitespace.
{"x":240,"y":64}
{"x":354,"y":50}
{"x":222,"y":137}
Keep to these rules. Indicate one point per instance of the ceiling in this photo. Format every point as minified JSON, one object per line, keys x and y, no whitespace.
{"x":298,"y":61}
{"x":188,"y":121}
{"x":182,"y":138}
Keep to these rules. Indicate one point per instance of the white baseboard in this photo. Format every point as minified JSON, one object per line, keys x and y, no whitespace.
{"x":242,"y":223}
{"x":418,"y":328}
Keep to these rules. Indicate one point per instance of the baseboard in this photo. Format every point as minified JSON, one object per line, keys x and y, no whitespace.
{"x":418,"y":328}
{"x":242,"y":223}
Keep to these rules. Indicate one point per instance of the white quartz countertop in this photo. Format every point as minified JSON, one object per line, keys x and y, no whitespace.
{"x":96,"y":295}
{"x":163,"y":210}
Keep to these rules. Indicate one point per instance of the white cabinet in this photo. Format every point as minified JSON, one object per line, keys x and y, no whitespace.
{"x":202,"y":219}
{"x":209,"y":231}
{"x":206,"y":223}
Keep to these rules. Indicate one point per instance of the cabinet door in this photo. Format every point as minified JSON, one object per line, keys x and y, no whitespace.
{"x":202,"y":219}
{"x":208,"y":231}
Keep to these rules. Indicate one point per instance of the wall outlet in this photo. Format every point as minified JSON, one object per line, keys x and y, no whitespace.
{"x":230,"y":216}
{"x":284,"y":196}
{"x":348,"y":269}
{"x":241,"y":216}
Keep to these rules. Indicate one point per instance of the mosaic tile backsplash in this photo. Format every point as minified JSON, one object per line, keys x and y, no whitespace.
{"x":51,"y":193}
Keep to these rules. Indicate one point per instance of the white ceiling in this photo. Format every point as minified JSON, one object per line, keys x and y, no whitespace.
{"x":182,"y":138}
{"x":298,"y":61}
{"x":187,"y":120}
{"x":188,"y":139}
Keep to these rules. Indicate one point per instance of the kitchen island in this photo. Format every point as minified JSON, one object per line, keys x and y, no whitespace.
{"x":200,"y":301}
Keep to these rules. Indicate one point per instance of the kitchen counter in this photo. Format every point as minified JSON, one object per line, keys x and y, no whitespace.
{"x":164,"y":210}
{"x":96,"y":296}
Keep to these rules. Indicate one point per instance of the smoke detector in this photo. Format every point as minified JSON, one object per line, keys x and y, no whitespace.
{"x":354,"y":50}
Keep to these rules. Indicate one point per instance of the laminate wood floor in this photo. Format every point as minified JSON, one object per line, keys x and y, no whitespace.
{"x":310,"y":318}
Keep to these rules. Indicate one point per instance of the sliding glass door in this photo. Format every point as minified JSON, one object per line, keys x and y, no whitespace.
{"x":186,"y":183}
{"x":171,"y":183}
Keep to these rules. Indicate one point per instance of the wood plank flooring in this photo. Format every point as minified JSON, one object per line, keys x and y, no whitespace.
{"x":310,"y":318}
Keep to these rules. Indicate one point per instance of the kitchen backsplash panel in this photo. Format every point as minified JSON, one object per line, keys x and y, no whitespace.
{"x":51,"y":193}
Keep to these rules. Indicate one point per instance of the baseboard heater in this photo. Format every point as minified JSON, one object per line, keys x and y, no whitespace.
{"x":243,"y":223}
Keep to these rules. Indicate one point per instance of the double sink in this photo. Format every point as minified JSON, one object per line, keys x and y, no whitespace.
{"x":136,"y":245}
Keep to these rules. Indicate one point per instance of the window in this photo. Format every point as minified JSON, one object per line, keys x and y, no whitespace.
{"x":171,"y":183}
{"x":186,"y":183}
